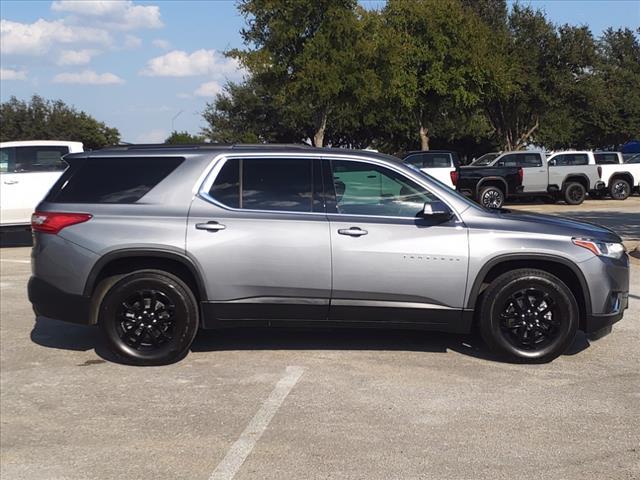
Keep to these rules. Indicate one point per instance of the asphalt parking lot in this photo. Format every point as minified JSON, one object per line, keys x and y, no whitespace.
{"x":341,"y":404}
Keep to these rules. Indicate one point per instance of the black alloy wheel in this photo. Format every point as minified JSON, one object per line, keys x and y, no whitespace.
{"x":529,"y":315}
{"x":148,"y":317}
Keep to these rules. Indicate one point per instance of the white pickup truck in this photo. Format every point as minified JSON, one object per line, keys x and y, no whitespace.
{"x":564,"y":175}
{"x":440,"y":164}
{"x":28,"y":169}
{"x":621,"y":179}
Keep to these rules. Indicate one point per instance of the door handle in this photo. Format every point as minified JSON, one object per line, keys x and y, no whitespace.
{"x":10,"y":182}
{"x":352,"y":232}
{"x":210,"y":226}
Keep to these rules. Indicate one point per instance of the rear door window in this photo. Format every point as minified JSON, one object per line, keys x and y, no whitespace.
{"x":278,"y":184}
{"x":570,"y":159}
{"x":606,"y":158}
{"x":33,"y":159}
{"x":111,"y":180}
{"x":429,"y":160}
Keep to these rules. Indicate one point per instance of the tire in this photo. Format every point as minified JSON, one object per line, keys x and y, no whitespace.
{"x":619,"y":189}
{"x":141,"y":332}
{"x":491,"y":197}
{"x":574,"y":193}
{"x":534,"y":337}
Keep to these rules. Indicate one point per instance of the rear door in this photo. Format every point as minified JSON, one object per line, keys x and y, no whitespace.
{"x":535,"y":172}
{"x":260,"y":236}
{"x":27,"y":174}
{"x":389,"y":263}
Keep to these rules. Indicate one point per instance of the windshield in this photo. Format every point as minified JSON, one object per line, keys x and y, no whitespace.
{"x":485,"y":160}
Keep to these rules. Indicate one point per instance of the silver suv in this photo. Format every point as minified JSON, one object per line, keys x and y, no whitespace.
{"x":152,"y":243}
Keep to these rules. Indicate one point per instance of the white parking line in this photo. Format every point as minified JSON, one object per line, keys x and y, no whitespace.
{"x":242,"y":447}
{"x":11,"y":260}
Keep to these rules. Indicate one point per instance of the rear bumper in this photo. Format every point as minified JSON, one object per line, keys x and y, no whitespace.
{"x":50,"y":301}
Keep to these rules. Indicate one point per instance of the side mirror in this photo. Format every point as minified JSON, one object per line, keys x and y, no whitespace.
{"x":436,"y":209}
{"x":551,"y":163}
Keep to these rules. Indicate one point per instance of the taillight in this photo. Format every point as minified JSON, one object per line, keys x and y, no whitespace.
{"x":520,"y":174}
{"x":53,"y":222}
{"x":454,"y":177}
{"x":599,"y":171}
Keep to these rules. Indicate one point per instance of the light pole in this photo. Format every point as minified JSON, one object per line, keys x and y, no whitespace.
{"x":174,"y":119}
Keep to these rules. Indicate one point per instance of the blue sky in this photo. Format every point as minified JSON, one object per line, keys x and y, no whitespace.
{"x":136,"y":65}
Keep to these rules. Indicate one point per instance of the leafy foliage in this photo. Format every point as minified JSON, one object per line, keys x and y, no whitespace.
{"x":183,"y":138}
{"x":41,"y":119}
{"x":467,"y":74}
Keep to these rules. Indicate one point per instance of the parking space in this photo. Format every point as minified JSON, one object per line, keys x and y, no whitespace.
{"x":262,"y":404}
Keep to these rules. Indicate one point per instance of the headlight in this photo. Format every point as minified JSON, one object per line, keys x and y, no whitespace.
{"x":601,"y":249}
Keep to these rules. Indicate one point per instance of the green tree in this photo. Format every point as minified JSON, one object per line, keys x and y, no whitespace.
{"x":438,"y":49}
{"x":308,"y":56}
{"x":177,"y":138}
{"x":41,"y":119}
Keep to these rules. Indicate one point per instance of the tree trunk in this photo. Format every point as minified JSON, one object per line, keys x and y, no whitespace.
{"x":424,"y":138}
{"x":321,"y":126}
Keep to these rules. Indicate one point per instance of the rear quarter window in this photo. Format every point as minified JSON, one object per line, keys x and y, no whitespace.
{"x":111,"y":180}
{"x":606,"y":158}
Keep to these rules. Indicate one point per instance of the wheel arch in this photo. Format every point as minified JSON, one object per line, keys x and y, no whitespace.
{"x":492,"y":182}
{"x":562,"y":268}
{"x":621,"y":175}
{"x":580,"y":178}
{"x":128,"y":260}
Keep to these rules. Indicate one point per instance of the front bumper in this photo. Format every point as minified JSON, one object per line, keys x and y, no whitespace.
{"x":50,"y":301}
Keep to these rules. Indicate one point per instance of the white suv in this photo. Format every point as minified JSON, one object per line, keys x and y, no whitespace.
{"x":28,"y":169}
{"x":440,"y":164}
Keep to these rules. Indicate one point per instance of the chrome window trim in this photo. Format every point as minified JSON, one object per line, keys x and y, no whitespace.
{"x":205,"y":181}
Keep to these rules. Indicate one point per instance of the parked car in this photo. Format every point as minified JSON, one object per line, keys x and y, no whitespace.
{"x":159,"y":242}
{"x":28,"y":169}
{"x":485,"y":160}
{"x":491,"y":185}
{"x":620,"y":178}
{"x":562,"y":175}
{"x":635,"y":158}
{"x":443,"y":165}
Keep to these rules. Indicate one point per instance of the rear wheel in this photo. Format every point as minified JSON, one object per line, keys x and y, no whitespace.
{"x":149,"y":317}
{"x":620,"y":189}
{"x":574,"y":193}
{"x":528,"y":315}
{"x":491,"y":197}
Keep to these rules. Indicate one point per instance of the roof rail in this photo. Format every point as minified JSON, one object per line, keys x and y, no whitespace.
{"x":203,"y":146}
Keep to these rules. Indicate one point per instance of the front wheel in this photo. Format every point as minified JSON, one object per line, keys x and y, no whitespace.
{"x":528,"y":315}
{"x":620,"y":189}
{"x":574,"y":193}
{"x":491,"y":197}
{"x":149,"y":317}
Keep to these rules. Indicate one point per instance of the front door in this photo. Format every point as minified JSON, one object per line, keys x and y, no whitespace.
{"x":260,"y":237}
{"x":390,"y":263}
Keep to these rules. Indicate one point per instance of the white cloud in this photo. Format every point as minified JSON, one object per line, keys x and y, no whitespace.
{"x":162,"y":44}
{"x":88,"y":77}
{"x":39,"y":37}
{"x":131,"y":41}
{"x":178,"y":63}
{"x":157,"y":135}
{"x":116,"y":14}
{"x":209,"y":89}
{"x":10,"y":74}
{"x":76,"y":57}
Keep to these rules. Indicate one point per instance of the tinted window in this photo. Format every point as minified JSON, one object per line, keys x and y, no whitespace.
{"x":269,"y":184}
{"x":33,"y":159}
{"x":429,"y":160}
{"x":226,"y":188}
{"x":522,"y":160}
{"x":111,"y":180}
{"x":568,"y":159}
{"x":365,"y":189}
{"x":635,"y":159}
{"x":606,"y":158}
